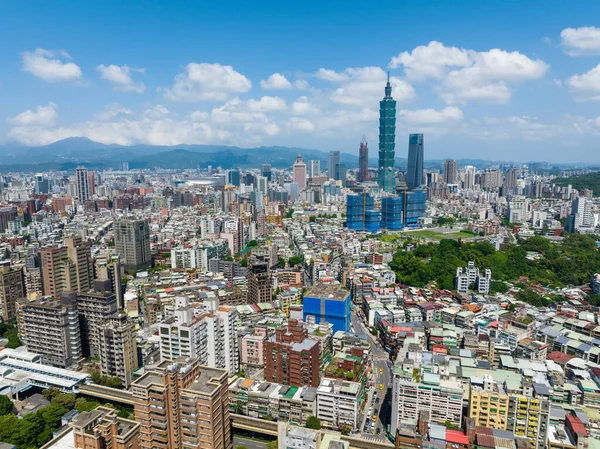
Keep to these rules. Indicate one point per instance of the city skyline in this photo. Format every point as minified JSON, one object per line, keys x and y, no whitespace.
{"x":473,"y":90}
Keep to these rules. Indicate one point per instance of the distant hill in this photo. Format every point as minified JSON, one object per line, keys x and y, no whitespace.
{"x":67,"y":153}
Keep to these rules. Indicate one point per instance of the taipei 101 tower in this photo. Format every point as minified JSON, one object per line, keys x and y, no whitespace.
{"x":387,"y":140}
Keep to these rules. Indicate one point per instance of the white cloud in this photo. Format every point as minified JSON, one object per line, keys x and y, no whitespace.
{"x":301,"y":84}
{"x":301,"y":124}
{"x":431,"y":116}
{"x":303,"y":106}
{"x":120,"y":76}
{"x":50,"y":65}
{"x":207,"y":82}
{"x":581,"y":41}
{"x":586,"y":87}
{"x":469,"y":75}
{"x":364,"y":86}
{"x":42,"y":116}
{"x":267,"y":104}
{"x":276,"y":82}
{"x":430,"y":61}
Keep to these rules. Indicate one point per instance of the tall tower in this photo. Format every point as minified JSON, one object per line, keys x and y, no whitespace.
{"x":387,"y":139}
{"x":300,"y":172}
{"x":82,"y":181}
{"x":333,"y":162}
{"x":132,"y":243}
{"x":450,"y":171}
{"x":363,"y":161}
{"x":414,"y":169}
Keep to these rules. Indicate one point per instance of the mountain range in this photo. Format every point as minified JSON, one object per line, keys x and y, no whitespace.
{"x":74,"y":151}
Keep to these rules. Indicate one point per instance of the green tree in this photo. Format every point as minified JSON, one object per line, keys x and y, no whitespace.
{"x":281,"y":262}
{"x":65,"y":400}
{"x":50,"y":393}
{"x":272,"y":444}
{"x":252,"y":244}
{"x":345,"y":430}
{"x":96,"y":377}
{"x":6,"y":405}
{"x":295,"y":260}
{"x":313,"y":423}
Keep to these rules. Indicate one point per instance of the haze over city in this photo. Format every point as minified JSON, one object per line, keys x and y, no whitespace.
{"x":515,"y":81}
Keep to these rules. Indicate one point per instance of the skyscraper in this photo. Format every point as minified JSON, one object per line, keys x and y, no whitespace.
{"x":181,"y":404}
{"x":82,"y":182}
{"x":334,"y":160}
{"x":414,"y":169}
{"x":233,"y":177}
{"x":387,"y":140}
{"x":12,"y":288}
{"x":510,"y":181}
{"x":259,"y":279}
{"x":363,"y":161}
{"x":469,"y":177}
{"x":450,"y":171}
{"x":132,"y":243}
{"x":300,"y":172}
{"x":314,"y":168}
{"x":266,"y":171}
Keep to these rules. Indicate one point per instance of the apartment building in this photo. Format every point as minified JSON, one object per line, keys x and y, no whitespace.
{"x":50,"y":327}
{"x":117,"y":348}
{"x":101,"y":428}
{"x":94,"y":308}
{"x":183,"y":405}
{"x":132,"y":243}
{"x":291,"y":358}
{"x":252,"y":348}
{"x":259,"y":279}
{"x":12,"y":288}
{"x":66,"y":267}
{"x":338,"y":403}
{"x":184,"y":334}
{"x":108,"y":266}
{"x":443,"y":399}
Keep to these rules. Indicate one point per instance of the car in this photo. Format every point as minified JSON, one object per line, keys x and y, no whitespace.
{"x":381,"y":386}
{"x":380,"y":370}
{"x":378,"y":431}
{"x":374,"y":418}
{"x":377,"y":400}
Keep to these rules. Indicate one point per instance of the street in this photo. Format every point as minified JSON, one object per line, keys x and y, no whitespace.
{"x":249,"y":443}
{"x":379,"y":396}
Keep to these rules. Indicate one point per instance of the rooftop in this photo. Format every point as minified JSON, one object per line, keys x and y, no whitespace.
{"x":328,"y":291}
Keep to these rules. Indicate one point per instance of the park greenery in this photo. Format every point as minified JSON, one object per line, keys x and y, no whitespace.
{"x":571,"y":262}
{"x":587,"y":181}
{"x":35,"y":429}
{"x":10,"y":332}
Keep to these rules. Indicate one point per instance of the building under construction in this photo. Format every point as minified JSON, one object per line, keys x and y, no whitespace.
{"x":361,"y":214}
{"x":363,"y":161}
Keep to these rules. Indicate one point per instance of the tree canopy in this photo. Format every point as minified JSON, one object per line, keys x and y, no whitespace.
{"x":571,"y":262}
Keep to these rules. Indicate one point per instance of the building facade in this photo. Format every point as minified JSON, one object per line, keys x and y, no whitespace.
{"x":387,"y":140}
{"x":414,"y":168}
{"x":12,"y":288}
{"x":132,"y":243}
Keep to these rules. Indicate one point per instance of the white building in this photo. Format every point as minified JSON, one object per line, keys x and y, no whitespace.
{"x":338,"y":403}
{"x":184,"y":335}
{"x":443,"y":399}
{"x":518,"y":209}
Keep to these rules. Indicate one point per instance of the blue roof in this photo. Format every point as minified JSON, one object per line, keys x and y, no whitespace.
{"x":562,"y":340}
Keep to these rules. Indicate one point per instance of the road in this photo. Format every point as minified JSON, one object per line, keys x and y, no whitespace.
{"x":378,"y":398}
{"x":249,"y":443}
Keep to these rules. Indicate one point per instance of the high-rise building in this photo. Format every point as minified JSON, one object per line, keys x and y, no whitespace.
{"x":42,"y":184}
{"x":183,"y":335}
{"x":363,"y":161}
{"x":82,"y":184}
{"x":259,"y":279}
{"x":50,"y":327}
{"x":510,"y":181}
{"x":414,"y":168}
{"x":266,"y":171}
{"x":107,"y":265}
{"x":12,"y":288}
{"x":132,"y":243}
{"x":328,"y":303}
{"x":333,"y":161}
{"x":450,"y":171}
{"x":387,"y":140}
{"x":300,"y":172}
{"x":340,"y":173}
{"x":182,"y":405}
{"x":233,"y":177}
{"x":67,"y":267}
{"x":404,"y":210}
{"x":314,"y":168}
{"x":469,"y":177}
{"x":361,"y":214}
{"x":291,"y":358}
{"x":117,"y":348}
{"x":102,"y":428}
{"x":94,"y":307}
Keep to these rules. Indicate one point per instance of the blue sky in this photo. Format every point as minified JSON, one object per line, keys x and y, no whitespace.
{"x":502,"y":80}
